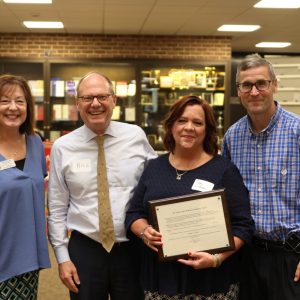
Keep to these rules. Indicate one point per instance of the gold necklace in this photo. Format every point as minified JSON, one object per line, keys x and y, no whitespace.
{"x":179,"y":175}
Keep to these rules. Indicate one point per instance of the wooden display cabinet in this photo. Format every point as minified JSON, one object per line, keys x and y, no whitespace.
{"x":145,"y":90}
{"x":162,"y":83}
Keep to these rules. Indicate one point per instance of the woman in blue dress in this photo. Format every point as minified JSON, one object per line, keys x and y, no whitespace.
{"x":191,"y":165}
{"x":23,"y":243}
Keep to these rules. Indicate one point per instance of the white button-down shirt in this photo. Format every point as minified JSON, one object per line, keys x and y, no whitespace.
{"x":73,"y":198}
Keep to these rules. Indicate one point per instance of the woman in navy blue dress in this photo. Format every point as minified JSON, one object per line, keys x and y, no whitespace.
{"x":191,"y":141}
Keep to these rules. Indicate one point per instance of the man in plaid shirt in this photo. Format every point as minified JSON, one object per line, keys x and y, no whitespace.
{"x":265,"y":146}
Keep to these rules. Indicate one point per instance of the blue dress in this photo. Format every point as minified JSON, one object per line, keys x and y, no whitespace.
{"x":159,"y":181}
{"x":23,"y":242}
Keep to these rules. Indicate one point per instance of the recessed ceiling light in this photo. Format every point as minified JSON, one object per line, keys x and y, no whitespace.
{"x":278,"y":4}
{"x":239,"y":28}
{"x":272,"y":45}
{"x":29,"y":1}
{"x":36,"y":24}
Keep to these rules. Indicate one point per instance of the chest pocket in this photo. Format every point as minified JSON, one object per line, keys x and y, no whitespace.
{"x":125,"y":172}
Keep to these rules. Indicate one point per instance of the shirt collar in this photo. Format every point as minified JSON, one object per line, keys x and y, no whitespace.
{"x":88,"y":134}
{"x":274,"y":120}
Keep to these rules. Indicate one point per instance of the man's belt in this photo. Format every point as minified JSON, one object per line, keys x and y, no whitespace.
{"x":291,"y":244}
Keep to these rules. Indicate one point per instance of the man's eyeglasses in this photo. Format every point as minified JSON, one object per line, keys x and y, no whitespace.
{"x":18,"y":102}
{"x":261,"y":85}
{"x":90,"y":99}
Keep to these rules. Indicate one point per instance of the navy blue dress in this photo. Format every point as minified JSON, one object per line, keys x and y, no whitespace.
{"x":159,"y":181}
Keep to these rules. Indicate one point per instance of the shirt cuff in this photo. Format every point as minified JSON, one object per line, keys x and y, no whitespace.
{"x":62,"y":254}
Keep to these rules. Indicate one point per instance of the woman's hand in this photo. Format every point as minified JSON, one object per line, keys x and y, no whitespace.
{"x":152,"y":238}
{"x":199,"y":260}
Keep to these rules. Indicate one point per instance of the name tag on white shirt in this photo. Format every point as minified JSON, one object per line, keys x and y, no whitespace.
{"x":6,"y":164}
{"x":81,"y":166}
{"x":202,"y":185}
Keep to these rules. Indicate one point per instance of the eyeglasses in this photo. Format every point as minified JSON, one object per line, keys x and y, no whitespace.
{"x":90,"y":99}
{"x":18,"y":102}
{"x":261,"y":85}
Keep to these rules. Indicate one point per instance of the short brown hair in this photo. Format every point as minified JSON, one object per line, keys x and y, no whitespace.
{"x":210,"y":142}
{"x":253,"y":61}
{"x":9,"y":83}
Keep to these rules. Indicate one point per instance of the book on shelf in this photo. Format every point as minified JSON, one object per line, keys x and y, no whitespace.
{"x":116,"y":113}
{"x":71,"y":86}
{"x":121,"y":88}
{"x":39,"y":112}
{"x":57,"y":112}
{"x":130,"y":114}
{"x":131,"y":91}
{"x":57,"y":88}
{"x":64,"y":112}
{"x":37,"y":89}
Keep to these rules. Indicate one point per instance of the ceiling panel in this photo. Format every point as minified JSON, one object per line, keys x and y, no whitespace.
{"x":160,"y":17}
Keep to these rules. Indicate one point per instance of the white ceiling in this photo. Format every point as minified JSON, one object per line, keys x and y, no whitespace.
{"x":161,"y":17}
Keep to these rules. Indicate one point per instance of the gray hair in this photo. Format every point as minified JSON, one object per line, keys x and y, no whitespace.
{"x":253,"y":61}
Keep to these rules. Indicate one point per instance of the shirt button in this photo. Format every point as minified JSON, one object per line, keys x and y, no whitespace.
{"x":260,"y":212}
{"x":259,"y":168}
{"x":259,"y":189}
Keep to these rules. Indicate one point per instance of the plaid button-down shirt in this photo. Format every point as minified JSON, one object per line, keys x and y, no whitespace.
{"x":269,"y":163}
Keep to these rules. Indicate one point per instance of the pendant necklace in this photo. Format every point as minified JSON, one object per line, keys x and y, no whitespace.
{"x":179,"y":175}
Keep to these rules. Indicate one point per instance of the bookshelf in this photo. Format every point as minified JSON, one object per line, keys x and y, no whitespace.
{"x":145,"y":89}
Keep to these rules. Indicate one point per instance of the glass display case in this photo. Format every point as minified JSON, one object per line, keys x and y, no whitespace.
{"x":145,"y":90}
{"x":161,"y":86}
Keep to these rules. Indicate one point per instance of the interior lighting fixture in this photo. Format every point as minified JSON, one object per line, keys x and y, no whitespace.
{"x":36,"y":24}
{"x":28,"y":1}
{"x":272,"y":45}
{"x":239,"y":28}
{"x":278,"y":4}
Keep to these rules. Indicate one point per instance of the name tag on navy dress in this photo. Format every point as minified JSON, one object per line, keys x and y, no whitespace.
{"x":202,"y":185}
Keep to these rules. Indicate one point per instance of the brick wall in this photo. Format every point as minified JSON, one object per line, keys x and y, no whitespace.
{"x":114,"y":46}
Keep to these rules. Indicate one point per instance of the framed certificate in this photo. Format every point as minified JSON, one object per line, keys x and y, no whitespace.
{"x":198,"y":222}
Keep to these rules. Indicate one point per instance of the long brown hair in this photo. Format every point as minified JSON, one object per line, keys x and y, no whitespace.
{"x":210,"y":142}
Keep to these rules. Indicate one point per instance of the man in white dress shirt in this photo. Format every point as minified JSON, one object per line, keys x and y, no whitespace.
{"x":85,"y":267}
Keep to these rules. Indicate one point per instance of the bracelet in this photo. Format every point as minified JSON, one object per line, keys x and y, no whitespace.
{"x":217,"y":260}
{"x":143,"y":231}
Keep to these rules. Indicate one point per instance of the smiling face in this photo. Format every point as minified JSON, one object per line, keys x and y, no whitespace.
{"x":258,"y":102}
{"x":13,"y":107}
{"x":189,"y":129}
{"x":95,"y":115}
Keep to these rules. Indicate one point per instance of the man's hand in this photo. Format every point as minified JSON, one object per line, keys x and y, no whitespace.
{"x":68,"y":275}
{"x":297,"y":273}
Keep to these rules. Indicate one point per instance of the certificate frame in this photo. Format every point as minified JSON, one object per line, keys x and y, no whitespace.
{"x":198,"y":222}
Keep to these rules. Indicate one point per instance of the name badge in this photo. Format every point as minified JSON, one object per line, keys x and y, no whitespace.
{"x":202,"y":185}
{"x":6,"y":164}
{"x":81,"y":166}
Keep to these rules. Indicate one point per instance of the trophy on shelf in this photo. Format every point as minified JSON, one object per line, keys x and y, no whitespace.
{"x":159,"y":144}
